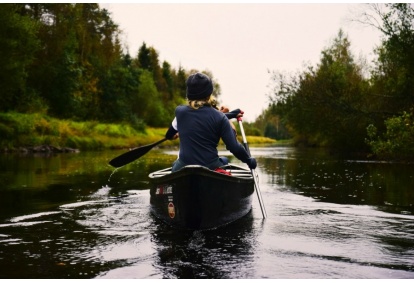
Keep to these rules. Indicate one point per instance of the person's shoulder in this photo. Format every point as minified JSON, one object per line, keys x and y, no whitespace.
{"x":212,"y":111}
{"x":181,"y":107}
{"x":219,"y":115}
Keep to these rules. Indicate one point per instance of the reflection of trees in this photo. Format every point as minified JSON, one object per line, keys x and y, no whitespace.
{"x":326,"y":178}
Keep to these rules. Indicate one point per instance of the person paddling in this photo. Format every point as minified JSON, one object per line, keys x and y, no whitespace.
{"x":201,"y":126}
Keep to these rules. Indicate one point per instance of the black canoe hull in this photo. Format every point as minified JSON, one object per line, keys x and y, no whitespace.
{"x":198,"y":198}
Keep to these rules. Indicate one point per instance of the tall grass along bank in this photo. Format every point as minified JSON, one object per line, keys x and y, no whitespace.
{"x":19,"y":131}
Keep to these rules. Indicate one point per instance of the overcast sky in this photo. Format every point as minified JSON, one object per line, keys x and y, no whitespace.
{"x":240,"y":42}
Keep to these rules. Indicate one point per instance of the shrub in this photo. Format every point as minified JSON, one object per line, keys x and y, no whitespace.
{"x":398,"y":140}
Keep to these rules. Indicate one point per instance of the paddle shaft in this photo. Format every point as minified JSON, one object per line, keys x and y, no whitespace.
{"x":259,"y":195}
{"x":133,"y":154}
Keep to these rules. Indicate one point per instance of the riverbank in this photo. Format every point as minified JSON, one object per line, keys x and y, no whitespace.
{"x":41,"y":133}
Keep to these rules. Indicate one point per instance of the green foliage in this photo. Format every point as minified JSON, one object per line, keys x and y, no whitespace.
{"x":249,"y":129}
{"x":334,"y":105}
{"x":393,"y":77}
{"x":18,"y":44}
{"x":398,"y":140}
{"x":66,"y":60}
{"x":147,"y":103}
{"x":324,"y":106}
{"x":270,"y":124}
{"x":19,"y":129}
{"x":259,"y":140}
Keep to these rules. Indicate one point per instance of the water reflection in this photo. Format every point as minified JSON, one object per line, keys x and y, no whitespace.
{"x":35,"y":183}
{"x":73,"y":216}
{"x":316,"y":174}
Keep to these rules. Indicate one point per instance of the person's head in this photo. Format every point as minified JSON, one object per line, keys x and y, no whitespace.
{"x":199,"y":87}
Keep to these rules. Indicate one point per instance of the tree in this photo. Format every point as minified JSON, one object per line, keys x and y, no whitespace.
{"x":66,"y":59}
{"x":393,"y":75}
{"x":324,"y":106}
{"x":18,"y":46}
{"x":180,"y":82}
{"x":391,"y":135}
{"x":147,"y":103}
{"x":168,"y":78}
{"x":119,"y":90}
{"x":144,"y":57}
{"x":397,"y":142}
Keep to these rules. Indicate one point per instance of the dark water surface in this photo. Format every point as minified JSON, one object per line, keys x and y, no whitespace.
{"x":72,"y":216}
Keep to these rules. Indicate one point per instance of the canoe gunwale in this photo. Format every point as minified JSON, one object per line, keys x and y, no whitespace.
{"x":236,"y":172}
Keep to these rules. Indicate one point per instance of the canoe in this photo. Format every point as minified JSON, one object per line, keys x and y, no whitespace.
{"x":200,"y":199}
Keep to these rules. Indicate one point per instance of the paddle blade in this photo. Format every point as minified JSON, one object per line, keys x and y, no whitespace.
{"x":133,"y":154}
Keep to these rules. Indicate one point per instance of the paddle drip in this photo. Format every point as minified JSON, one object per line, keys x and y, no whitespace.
{"x":113,"y":172}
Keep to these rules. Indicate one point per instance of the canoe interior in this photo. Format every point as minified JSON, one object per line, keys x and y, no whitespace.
{"x":198,"y":198}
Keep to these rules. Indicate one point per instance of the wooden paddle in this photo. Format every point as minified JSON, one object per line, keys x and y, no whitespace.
{"x":259,"y":195}
{"x":133,"y":154}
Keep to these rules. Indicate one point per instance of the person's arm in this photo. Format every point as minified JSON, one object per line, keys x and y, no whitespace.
{"x":234,"y":114}
{"x":232,"y":144}
{"x":230,"y":115}
{"x":172,"y":132}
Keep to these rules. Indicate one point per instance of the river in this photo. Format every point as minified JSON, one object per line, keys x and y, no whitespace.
{"x":71,"y":216}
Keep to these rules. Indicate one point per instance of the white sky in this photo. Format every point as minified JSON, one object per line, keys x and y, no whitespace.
{"x":240,"y":42}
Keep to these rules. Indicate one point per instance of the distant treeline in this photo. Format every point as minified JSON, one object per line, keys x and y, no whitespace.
{"x":347,"y":105}
{"x":66,"y":60}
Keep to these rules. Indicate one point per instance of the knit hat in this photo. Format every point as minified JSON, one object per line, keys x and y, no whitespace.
{"x":198,"y":86}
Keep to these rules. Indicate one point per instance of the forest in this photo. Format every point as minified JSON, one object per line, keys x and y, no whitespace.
{"x":65,"y":61}
{"x":346,"y":104}
{"x":64,"y":68}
